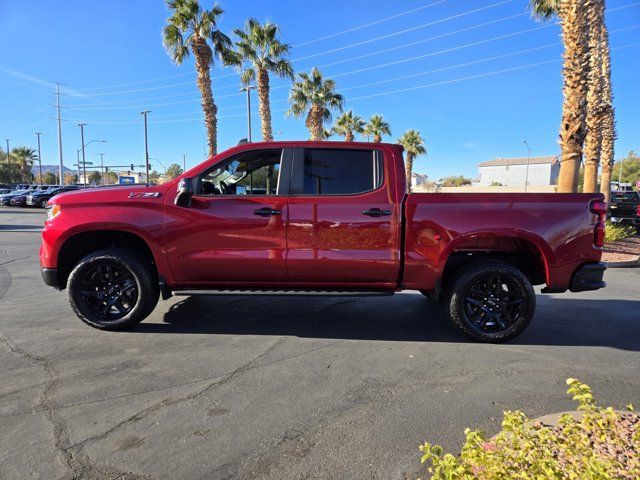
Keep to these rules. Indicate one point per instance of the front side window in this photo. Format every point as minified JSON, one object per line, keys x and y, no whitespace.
{"x":340,"y":172}
{"x":250,"y":173}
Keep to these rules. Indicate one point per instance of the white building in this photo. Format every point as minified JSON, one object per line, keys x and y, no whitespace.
{"x":418,"y":179}
{"x":516,"y":171}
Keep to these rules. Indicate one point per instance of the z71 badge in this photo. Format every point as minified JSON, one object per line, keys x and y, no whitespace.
{"x":144,"y":194}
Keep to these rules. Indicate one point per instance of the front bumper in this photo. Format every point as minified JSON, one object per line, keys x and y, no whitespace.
{"x":588,"y":277}
{"x":50,"y":277}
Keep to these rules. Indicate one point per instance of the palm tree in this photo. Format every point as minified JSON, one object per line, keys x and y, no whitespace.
{"x":595,"y":104}
{"x":377,"y":127}
{"x":25,"y":157}
{"x":190,"y":29}
{"x":261,"y":49}
{"x":573,"y":22}
{"x":347,"y":124}
{"x":607,"y":121}
{"x":413,"y":145}
{"x":315,"y":97}
{"x":326,"y":133}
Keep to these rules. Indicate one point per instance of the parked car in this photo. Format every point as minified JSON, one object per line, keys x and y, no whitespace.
{"x":4,"y":191}
{"x":6,"y":198}
{"x":19,"y":200}
{"x":625,"y":208}
{"x":331,"y":218}
{"x":41,"y":197}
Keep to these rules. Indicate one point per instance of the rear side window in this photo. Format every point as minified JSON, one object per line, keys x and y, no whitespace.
{"x":329,"y":171}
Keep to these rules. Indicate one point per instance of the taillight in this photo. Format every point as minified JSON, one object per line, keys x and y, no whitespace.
{"x":638,"y":210}
{"x":599,"y":208}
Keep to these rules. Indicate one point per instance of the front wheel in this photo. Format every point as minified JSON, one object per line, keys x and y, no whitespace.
{"x":491,"y":301}
{"x":113,"y":289}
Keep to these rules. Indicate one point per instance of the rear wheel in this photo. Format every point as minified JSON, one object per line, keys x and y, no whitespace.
{"x":43,"y":204}
{"x":491,"y":301}
{"x":113,"y":289}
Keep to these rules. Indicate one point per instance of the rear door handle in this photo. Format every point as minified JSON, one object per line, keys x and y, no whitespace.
{"x":266,"y":212}
{"x":376,"y":212}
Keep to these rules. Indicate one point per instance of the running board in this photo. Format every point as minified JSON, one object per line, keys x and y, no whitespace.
{"x":317,"y":293}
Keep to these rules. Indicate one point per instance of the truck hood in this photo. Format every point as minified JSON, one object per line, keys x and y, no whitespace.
{"x":109,"y":194}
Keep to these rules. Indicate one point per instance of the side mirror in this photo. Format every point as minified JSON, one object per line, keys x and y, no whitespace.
{"x":185,"y":192}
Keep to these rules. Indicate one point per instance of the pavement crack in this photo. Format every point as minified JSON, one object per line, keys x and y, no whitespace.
{"x":15,"y":260}
{"x":73,"y":458}
{"x":185,"y":398}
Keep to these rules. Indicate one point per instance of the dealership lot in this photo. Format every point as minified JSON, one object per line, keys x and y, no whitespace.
{"x":255,"y":387}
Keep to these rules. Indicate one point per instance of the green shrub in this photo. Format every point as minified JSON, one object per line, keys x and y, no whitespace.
{"x":615,"y":231}
{"x":601,"y":444}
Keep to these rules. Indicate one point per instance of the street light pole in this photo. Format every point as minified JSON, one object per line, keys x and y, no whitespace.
{"x":84,"y":164}
{"x":248,"y":90}
{"x":526,"y":178}
{"x":7,"y":140}
{"x":101,"y":168}
{"x":146,"y":143}
{"x":39,"y":157}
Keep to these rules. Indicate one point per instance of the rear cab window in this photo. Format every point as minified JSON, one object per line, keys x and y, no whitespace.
{"x":335,"y":171}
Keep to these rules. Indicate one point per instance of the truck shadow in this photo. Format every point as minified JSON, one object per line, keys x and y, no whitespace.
{"x":562,"y":321}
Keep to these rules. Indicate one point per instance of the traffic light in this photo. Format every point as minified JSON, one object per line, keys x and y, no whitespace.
{"x":132,"y":167}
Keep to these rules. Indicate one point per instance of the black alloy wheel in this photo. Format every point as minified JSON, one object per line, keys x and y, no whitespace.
{"x":490,"y":301}
{"x":109,"y":290}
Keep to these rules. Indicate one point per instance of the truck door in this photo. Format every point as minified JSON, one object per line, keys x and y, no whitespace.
{"x":344,"y":225}
{"x":234,"y":231}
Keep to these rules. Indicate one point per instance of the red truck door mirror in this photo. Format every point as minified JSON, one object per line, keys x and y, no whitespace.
{"x":185,"y":192}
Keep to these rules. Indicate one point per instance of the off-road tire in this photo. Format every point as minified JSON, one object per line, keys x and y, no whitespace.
{"x":464,"y":278}
{"x":143,"y":274}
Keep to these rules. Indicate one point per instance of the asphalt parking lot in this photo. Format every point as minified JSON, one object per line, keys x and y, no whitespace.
{"x":279,"y":388}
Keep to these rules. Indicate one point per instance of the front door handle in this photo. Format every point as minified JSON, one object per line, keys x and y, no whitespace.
{"x":376,"y":212}
{"x":266,"y":212}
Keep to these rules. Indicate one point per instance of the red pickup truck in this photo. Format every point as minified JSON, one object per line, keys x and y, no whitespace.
{"x":323,"y":218}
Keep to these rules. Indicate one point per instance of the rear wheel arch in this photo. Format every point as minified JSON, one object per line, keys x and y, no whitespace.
{"x":79,"y":245}
{"x":519,"y":252}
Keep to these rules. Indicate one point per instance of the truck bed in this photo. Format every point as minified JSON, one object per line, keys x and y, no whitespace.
{"x":553,"y":229}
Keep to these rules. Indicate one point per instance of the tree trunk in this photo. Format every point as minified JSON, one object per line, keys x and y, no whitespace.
{"x":377,"y":138}
{"x":608,"y":124}
{"x":409,"y":169}
{"x":572,"y":15}
{"x":314,"y":123}
{"x":593,"y":141}
{"x":264,"y":105}
{"x":203,"y":56}
{"x":348,"y":137}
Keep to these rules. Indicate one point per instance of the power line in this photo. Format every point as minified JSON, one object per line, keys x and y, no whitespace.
{"x":352,"y":58}
{"x":360,"y":27}
{"x":389,"y":35}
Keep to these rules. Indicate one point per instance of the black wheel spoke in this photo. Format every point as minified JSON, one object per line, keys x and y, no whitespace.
{"x":494,"y":302}
{"x":109,"y":290}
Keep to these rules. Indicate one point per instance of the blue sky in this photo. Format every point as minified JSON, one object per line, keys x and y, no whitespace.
{"x":475,"y":77}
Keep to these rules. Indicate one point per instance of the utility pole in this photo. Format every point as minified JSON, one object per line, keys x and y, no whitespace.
{"x":248,"y":90}
{"x":146,"y":143}
{"x":84,"y":163}
{"x":61,"y":166}
{"x":619,"y":173}
{"x":39,"y":157}
{"x":526,"y":178}
{"x":101,"y":166}
{"x":184,"y":162}
{"x":7,"y":140}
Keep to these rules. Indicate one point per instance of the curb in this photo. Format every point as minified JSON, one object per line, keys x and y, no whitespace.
{"x":625,"y":264}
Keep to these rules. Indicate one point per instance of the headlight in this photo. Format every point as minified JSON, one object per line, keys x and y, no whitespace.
{"x":53,"y":211}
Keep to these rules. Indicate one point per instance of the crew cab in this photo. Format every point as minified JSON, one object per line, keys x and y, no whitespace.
{"x":319,"y":218}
